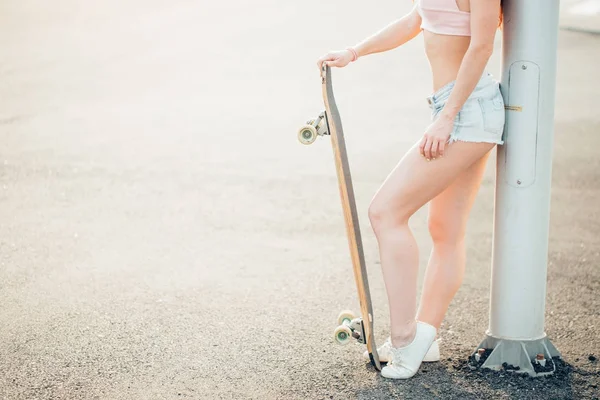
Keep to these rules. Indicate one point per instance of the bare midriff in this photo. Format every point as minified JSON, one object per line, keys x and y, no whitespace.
{"x":445,"y":54}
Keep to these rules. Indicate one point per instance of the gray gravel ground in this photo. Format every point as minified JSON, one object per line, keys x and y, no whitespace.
{"x":164,"y":236}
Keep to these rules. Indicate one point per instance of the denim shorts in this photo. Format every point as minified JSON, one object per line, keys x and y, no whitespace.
{"x":481,"y":119}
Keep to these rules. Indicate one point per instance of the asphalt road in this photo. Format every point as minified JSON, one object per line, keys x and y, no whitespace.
{"x":164,"y":236}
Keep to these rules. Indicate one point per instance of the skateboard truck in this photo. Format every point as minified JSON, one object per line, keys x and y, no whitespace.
{"x":314,"y":128}
{"x":318,"y":126}
{"x":349,"y":326}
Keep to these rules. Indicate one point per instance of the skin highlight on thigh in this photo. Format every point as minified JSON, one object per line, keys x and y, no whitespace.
{"x":415,"y":180}
{"x":450,"y":209}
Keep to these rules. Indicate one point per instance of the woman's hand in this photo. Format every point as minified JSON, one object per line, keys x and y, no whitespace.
{"x":336,"y":59}
{"x":436,"y":137}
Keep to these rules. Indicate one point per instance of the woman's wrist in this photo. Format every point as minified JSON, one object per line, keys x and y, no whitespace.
{"x":449,"y":113}
{"x":353,"y":52}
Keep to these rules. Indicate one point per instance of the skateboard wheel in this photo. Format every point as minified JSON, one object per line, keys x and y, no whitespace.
{"x":345,"y":317}
{"x":342,"y":334}
{"x":307,"y":134}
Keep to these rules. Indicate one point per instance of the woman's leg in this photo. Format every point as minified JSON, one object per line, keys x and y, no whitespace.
{"x":413,"y":183}
{"x":448,"y":215}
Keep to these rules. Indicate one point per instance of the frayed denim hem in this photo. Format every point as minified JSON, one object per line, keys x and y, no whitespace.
{"x":475,"y":140}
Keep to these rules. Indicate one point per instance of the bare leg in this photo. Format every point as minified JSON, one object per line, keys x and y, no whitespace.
{"x":413,"y":183}
{"x":448,"y":215}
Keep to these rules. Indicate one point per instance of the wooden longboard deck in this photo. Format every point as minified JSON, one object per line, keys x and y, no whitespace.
{"x":350,"y":214}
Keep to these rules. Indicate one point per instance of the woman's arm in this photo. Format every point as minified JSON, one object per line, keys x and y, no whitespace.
{"x":395,"y":34}
{"x":484,"y":23}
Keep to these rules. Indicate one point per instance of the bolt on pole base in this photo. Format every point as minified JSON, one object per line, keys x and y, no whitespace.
{"x":533,"y":357}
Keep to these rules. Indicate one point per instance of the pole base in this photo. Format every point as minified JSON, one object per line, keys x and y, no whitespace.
{"x":533,"y":357}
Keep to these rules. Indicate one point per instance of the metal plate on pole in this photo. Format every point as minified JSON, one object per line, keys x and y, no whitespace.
{"x":522,"y":123}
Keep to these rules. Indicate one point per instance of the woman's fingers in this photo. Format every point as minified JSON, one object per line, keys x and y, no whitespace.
{"x":328,"y":58}
{"x":422,"y":145}
{"x":335,"y":62}
{"x":441,"y":148}
{"x":432,"y":147}
{"x":427,"y":148}
{"x":335,"y":59}
{"x":435,"y":152}
{"x":320,"y":61}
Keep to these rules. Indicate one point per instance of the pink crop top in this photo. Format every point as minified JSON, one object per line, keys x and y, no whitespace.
{"x":444,"y":17}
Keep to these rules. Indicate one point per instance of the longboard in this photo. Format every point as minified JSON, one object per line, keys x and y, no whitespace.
{"x":329,"y":123}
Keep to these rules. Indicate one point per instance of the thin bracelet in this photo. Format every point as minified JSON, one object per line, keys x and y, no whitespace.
{"x":354,"y":54}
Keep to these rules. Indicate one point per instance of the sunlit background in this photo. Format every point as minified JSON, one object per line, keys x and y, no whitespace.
{"x":163,"y":234}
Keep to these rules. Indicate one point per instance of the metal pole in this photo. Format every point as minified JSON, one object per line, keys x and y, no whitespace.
{"x":522,"y":204}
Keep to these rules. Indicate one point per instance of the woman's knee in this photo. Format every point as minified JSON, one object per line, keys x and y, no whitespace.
{"x":446,"y":230}
{"x":385,"y":214}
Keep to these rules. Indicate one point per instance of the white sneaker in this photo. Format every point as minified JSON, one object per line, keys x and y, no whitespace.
{"x":385,"y":352}
{"x":406,"y":360}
